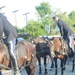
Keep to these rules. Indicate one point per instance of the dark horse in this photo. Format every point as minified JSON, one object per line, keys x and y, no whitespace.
{"x":26,"y":56}
{"x":42,"y":50}
{"x":58,"y":50}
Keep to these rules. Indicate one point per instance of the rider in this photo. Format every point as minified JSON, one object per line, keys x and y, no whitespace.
{"x":11,"y":35}
{"x":65,"y":31}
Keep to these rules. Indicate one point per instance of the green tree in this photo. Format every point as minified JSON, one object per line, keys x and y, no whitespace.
{"x":44,"y":12}
{"x":72,"y":19}
{"x":35,"y":28}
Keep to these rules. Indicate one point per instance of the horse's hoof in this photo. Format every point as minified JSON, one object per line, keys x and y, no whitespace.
{"x":64,"y":68}
{"x":45,"y":72}
{"x":72,"y":70}
{"x":50,"y":69}
{"x":40,"y":72}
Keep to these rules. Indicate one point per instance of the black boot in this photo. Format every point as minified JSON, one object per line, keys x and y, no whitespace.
{"x":12,"y":63}
{"x":11,"y":58}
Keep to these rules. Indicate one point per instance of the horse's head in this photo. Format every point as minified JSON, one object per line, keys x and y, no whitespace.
{"x":40,"y":44}
{"x":56,"y":45}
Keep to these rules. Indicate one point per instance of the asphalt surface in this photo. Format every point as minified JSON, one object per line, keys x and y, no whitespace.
{"x":50,"y":71}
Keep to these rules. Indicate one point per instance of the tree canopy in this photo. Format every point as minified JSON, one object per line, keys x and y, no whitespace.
{"x":44,"y":12}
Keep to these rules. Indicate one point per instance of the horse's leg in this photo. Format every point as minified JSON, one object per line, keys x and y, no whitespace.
{"x":32,"y":68}
{"x":55,"y":59}
{"x":52,"y":64}
{"x":33,"y":65}
{"x":64,"y":61}
{"x":45,"y":64}
{"x":39,"y":61}
{"x":73,"y":66}
{"x":62,"y":66}
{"x":68,"y":60}
{"x":27,"y":68}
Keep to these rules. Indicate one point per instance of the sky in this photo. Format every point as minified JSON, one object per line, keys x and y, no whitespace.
{"x":28,"y":6}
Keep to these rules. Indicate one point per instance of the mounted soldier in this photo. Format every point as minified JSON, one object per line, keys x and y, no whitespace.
{"x":10,"y":34}
{"x":65,"y":31}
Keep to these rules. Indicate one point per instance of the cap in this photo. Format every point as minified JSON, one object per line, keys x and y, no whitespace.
{"x":54,"y":17}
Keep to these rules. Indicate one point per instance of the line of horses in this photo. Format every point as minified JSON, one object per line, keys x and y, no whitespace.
{"x":28,"y":53}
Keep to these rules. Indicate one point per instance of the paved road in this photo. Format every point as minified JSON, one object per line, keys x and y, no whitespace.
{"x":66,"y":72}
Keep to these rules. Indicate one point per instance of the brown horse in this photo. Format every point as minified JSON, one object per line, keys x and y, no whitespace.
{"x":58,"y":50}
{"x":4,"y":56}
{"x":26,"y":56}
{"x":42,"y":50}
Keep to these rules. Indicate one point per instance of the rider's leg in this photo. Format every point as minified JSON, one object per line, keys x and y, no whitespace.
{"x":12,"y":49}
{"x":71,"y":42}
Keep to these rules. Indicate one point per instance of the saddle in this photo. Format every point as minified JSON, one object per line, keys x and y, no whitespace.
{"x":26,"y":50}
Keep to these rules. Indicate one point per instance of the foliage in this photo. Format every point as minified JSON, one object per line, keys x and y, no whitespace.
{"x":68,"y":18}
{"x":44,"y":13}
{"x":35,"y":28}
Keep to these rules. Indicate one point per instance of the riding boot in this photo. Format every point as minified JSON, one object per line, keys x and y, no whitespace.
{"x":10,"y":57}
{"x":13,"y":61}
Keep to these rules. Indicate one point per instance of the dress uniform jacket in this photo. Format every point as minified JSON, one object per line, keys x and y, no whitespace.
{"x":65,"y":30}
{"x":8,"y":29}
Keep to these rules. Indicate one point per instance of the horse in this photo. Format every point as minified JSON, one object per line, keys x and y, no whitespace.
{"x":26,"y":56}
{"x":42,"y":50}
{"x":4,"y":57}
{"x":72,"y":53}
{"x":58,"y":50}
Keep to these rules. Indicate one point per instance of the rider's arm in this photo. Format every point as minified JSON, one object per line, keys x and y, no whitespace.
{"x":1,"y":27}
